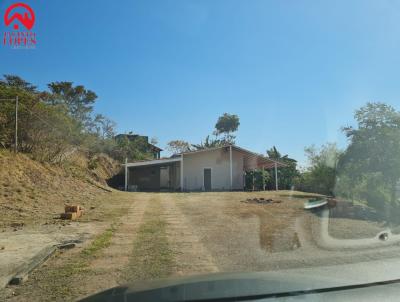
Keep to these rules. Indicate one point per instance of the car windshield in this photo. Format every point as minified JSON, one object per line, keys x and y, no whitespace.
{"x":145,"y":140}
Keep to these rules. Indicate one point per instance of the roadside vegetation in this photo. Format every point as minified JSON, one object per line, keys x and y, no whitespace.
{"x":54,"y":123}
{"x":66,"y":153}
{"x":367,"y":171}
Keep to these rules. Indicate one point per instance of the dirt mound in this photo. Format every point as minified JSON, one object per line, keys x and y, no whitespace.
{"x":100,"y":167}
{"x":33,"y":193}
{"x":105,"y":168}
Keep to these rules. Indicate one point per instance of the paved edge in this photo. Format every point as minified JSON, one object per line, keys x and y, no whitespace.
{"x":21,"y":273}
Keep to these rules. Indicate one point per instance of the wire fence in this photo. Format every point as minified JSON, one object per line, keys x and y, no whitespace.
{"x":51,"y":127}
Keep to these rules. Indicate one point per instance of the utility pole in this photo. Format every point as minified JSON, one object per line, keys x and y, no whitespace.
{"x":16,"y":124}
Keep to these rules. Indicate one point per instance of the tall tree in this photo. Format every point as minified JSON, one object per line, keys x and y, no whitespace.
{"x":78,"y":100}
{"x":226,"y":125}
{"x":17,"y":82}
{"x":374,"y":148}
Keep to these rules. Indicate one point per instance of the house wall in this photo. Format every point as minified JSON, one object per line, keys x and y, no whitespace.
{"x":219,"y":162}
{"x":237,"y":170}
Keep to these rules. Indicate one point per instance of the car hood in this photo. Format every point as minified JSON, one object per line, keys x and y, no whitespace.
{"x":242,"y":286}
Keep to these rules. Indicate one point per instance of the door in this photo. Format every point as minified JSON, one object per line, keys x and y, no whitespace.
{"x":164,"y":178}
{"x":207,"y":179}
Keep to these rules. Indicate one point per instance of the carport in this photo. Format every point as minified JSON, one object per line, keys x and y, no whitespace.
{"x":153,"y":175}
{"x":253,"y":161}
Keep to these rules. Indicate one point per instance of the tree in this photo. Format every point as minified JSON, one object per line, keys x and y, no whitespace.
{"x":320,"y":176}
{"x":78,"y":100}
{"x":257,"y":179}
{"x":17,"y":82}
{"x":287,"y":174}
{"x":133,"y":150}
{"x":50,"y":137}
{"x":44,"y":131}
{"x":52,"y":124}
{"x":178,"y":146}
{"x":226,"y":125}
{"x":372,"y":160}
{"x":327,"y":155}
{"x":209,"y":143}
{"x":103,"y":126}
{"x":27,"y":99}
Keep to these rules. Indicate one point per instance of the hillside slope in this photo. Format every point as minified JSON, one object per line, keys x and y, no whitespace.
{"x":35,"y":193}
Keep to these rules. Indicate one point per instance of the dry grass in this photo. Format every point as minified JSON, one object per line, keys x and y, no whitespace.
{"x":33,"y":193}
{"x":276,"y":220}
{"x":53,"y":282}
{"x":237,"y":236}
{"x":151,"y":256}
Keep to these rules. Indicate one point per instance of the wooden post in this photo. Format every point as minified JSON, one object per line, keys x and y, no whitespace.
{"x":276,"y":177}
{"x":16,"y":125}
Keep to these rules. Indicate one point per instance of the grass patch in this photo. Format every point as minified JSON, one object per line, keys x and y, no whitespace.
{"x":56,"y":280}
{"x":80,"y":263}
{"x":151,"y":256}
{"x":102,"y":241}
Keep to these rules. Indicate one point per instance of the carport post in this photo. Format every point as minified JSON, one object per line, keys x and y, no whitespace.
{"x":182,"y":172}
{"x":264,"y":179}
{"x":276,"y":176}
{"x":230,"y":166}
{"x":126,"y":174}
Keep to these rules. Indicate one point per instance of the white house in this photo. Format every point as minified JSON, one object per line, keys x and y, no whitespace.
{"x":215,"y":169}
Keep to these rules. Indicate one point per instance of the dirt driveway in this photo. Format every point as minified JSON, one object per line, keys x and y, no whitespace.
{"x":161,"y":235}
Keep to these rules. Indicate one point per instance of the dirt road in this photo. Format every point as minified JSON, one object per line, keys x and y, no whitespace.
{"x":161,"y":235}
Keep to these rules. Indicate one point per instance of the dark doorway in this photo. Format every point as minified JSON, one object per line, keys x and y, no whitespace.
{"x":207,"y":179}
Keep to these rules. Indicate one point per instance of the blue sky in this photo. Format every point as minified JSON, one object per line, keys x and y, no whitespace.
{"x":294,"y":71}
